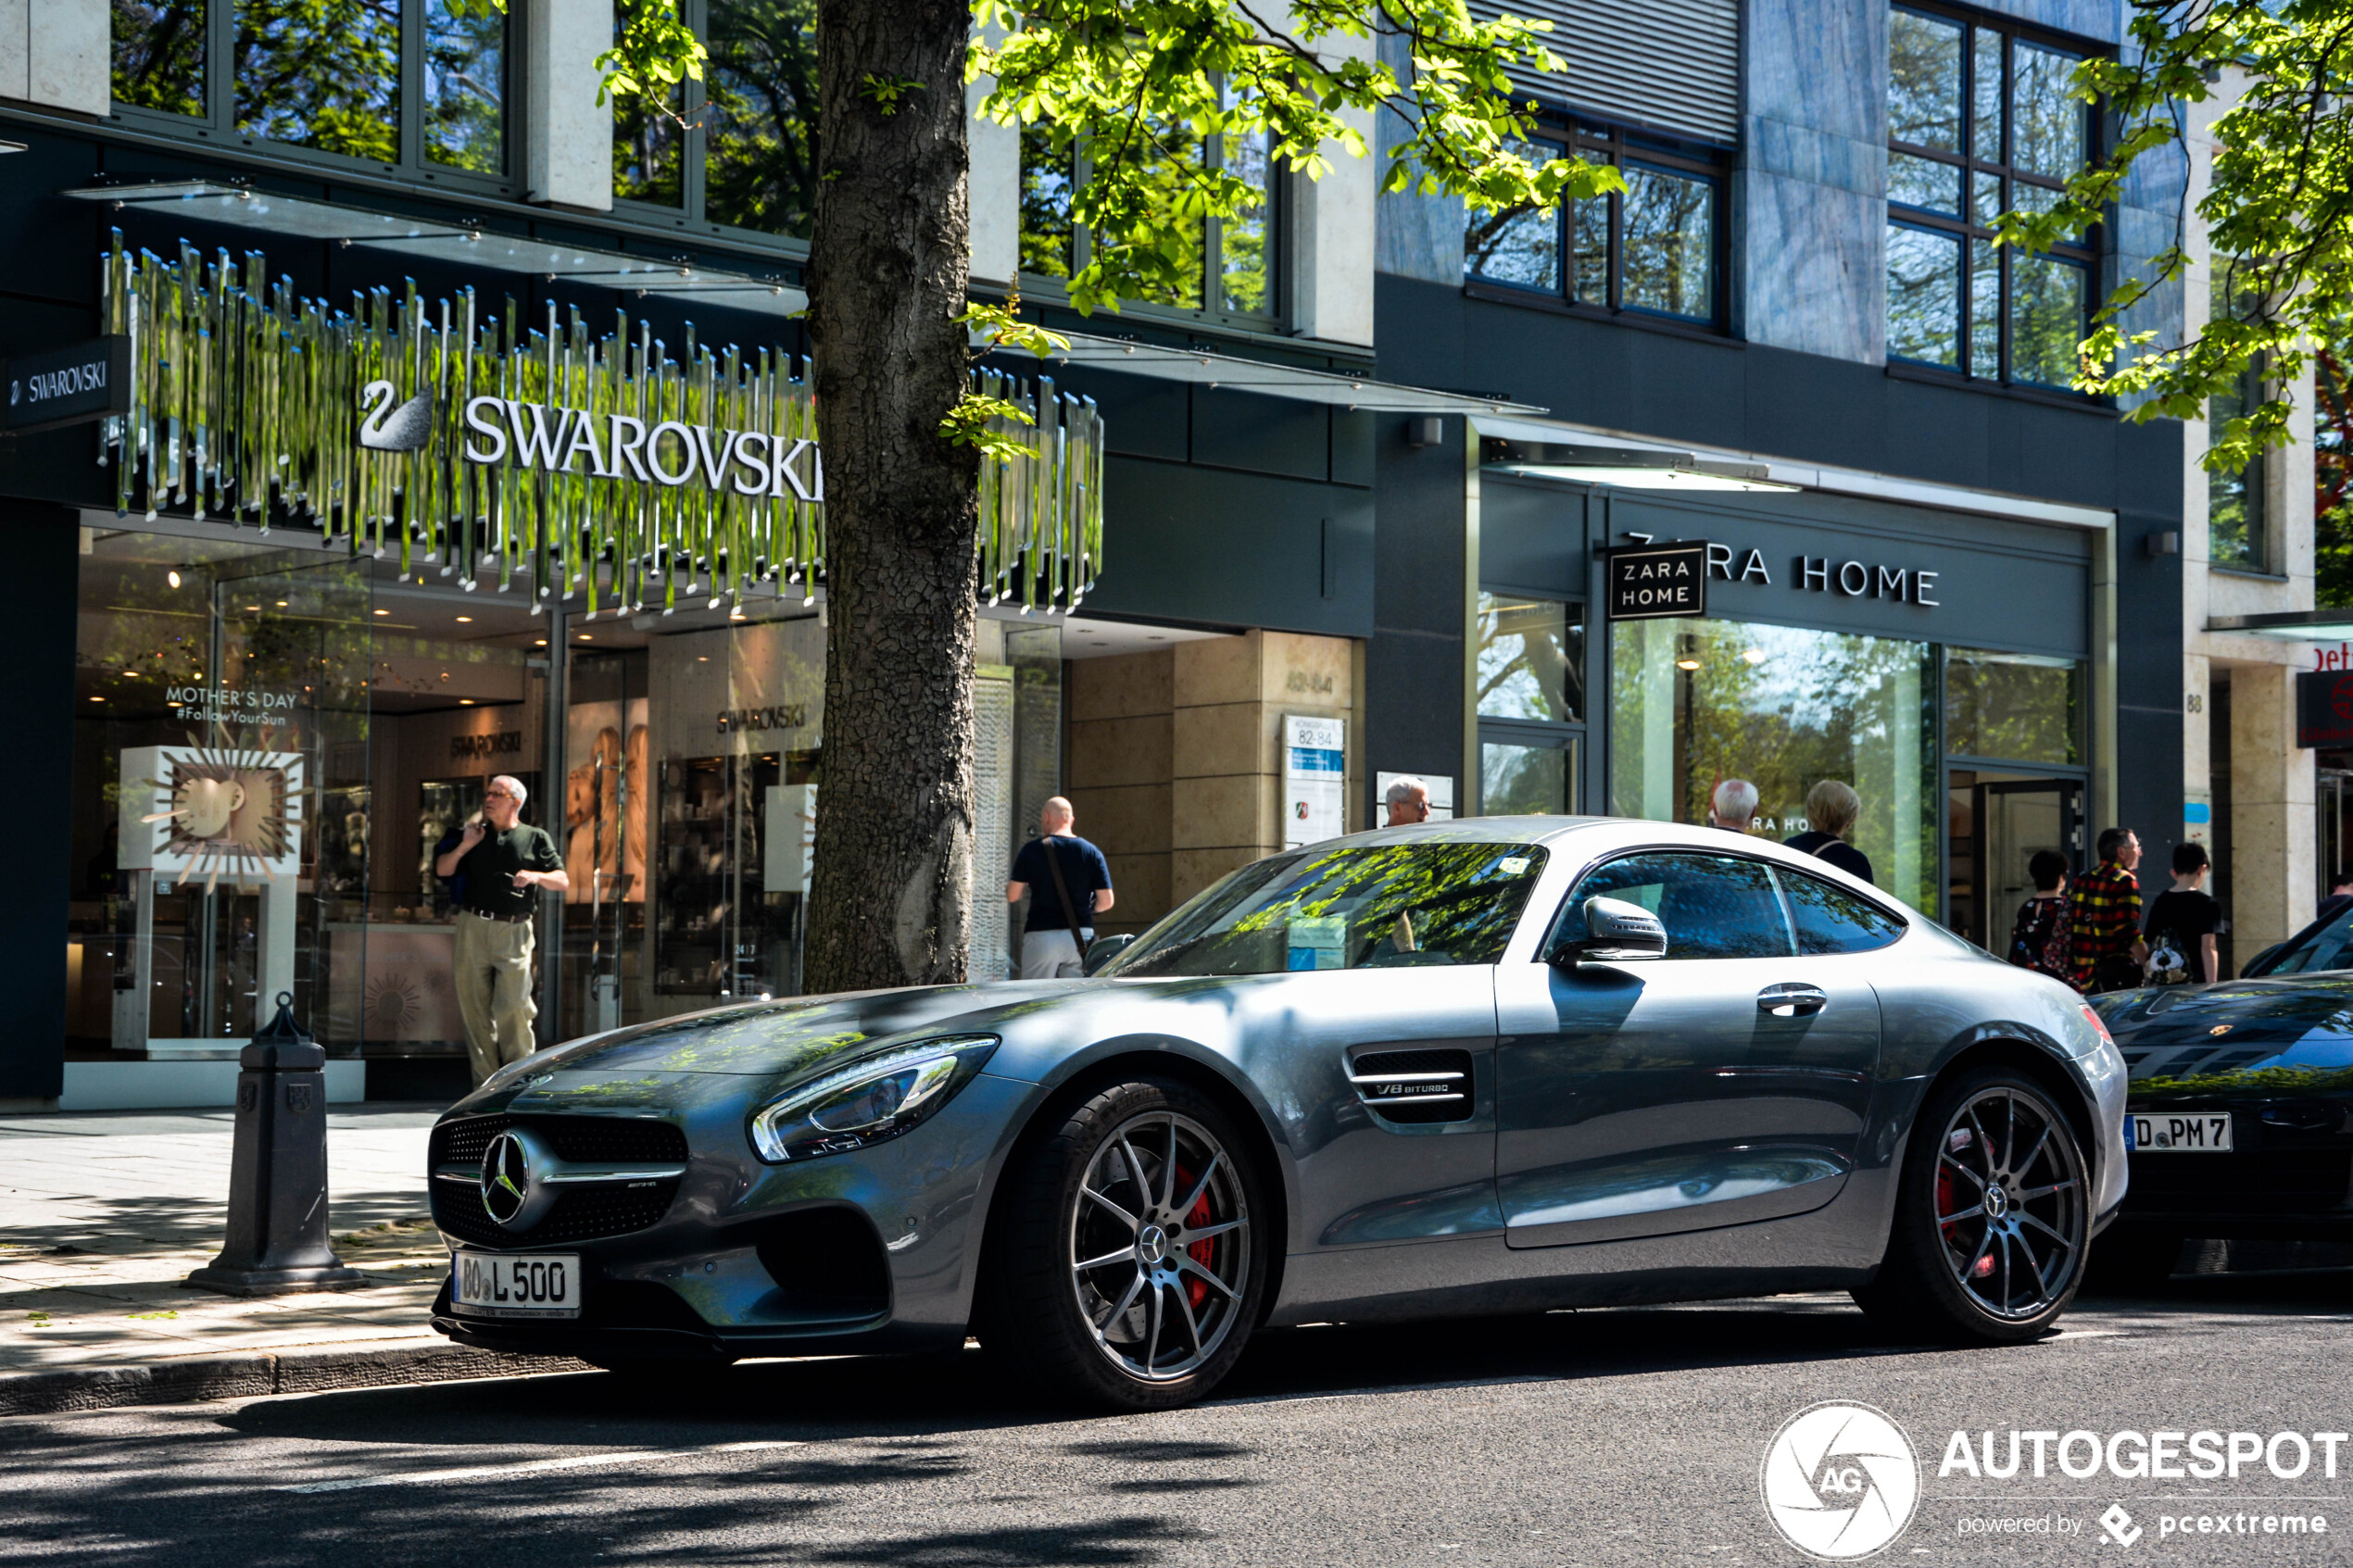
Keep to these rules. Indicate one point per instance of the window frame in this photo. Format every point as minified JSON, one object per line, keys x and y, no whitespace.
{"x":216,"y":126}
{"x":2089,"y":253}
{"x":1599,"y":141}
{"x":1569,"y":735}
{"x":1046,"y":288}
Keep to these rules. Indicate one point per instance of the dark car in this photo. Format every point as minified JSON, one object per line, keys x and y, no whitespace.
{"x":2239,"y":1121}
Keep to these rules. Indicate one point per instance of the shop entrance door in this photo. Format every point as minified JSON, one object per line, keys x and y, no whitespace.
{"x":2015,"y":819}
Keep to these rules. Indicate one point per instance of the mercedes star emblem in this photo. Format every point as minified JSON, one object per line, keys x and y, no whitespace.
{"x":506,"y":1178}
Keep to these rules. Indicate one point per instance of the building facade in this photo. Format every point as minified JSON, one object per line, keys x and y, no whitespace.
{"x":1359,"y":473}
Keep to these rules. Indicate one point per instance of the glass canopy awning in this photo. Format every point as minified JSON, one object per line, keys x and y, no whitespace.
{"x":457,"y":244}
{"x":2295,"y":626}
{"x":450,"y":243}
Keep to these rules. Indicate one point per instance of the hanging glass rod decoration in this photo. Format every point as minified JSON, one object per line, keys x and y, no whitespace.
{"x":599,"y":467}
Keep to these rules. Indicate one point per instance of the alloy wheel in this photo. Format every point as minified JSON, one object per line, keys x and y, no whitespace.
{"x":2010,"y":1202}
{"x":1159,"y":1246}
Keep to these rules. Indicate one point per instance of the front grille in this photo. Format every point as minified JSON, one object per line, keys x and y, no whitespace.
{"x":1414,"y":1087}
{"x":576,"y":1139}
{"x":579,"y":1213}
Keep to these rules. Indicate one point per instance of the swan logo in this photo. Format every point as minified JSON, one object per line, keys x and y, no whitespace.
{"x":1841,"y":1481}
{"x":387,"y":428}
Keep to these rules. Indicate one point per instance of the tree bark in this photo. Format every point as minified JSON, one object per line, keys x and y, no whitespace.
{"x":890,"y":901}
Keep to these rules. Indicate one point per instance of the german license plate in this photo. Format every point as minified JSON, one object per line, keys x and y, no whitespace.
{"x":544,"y":1285}
{"x":2191,"y":1133}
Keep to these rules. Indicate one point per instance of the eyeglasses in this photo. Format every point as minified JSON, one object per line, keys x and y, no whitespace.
{"x":497,"y":795}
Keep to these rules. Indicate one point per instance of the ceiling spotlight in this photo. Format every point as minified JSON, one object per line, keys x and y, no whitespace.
{"x":464,"y":620}
{"x":383,"y":612}
{"x":539,"y":641}
{"x":282,"y":604}
{"x":465,"y":702}
{"x":586,"y":638}
{"x":172,"y":578}
{"x":1687,"y":664}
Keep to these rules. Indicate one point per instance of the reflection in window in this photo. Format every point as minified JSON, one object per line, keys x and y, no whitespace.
{"x":1923,"y":297}
{"x":2018,"y":707}
{"x":159,"y":55}
{"x":2234,"y":500}
{"x":1829,"y":919}
{"x":1670,"y":244}
{"x":759,"y":119}
{"x":1516,"y":780}
{"x":1521,"y":245}
{"x":1531,"y":660}
{"x":1397,"y":905}
{"x":648,"y":147}
{"x":465,"y":86}
{"x":1958,"y":97}
{"x":321,"y":73}
{"x":1694,"y":703}
{"x":1046,"y":186}
{"x":1227,"y":265}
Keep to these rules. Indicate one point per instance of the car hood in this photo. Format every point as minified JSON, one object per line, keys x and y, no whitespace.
{"x":782,"y":1041}
{"x":2281,"y":1036}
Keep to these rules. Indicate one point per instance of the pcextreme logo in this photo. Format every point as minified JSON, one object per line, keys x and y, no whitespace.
{"x":1841,"y":1481}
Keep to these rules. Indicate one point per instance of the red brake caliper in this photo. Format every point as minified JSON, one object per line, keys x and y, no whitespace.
{"x":1196,"y":1292}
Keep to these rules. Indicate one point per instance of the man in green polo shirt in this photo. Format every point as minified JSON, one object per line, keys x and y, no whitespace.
{"x":503,"y":864}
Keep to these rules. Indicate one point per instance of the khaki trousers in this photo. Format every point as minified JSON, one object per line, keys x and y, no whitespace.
{"x":494,"y":990}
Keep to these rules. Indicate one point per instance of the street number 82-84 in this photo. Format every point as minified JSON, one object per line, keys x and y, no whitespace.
{"x":540,"y":1285}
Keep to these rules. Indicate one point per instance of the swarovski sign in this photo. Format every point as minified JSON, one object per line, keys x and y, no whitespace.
{"x":671,"y":452}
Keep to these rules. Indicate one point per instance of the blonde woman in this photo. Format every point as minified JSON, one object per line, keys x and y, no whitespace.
{"x":1830,"y":809}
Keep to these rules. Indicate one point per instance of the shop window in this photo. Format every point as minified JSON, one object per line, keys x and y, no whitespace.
{"x":330,"y":80}
{"x":738,"y":149}
{"x":2015,"y":707}
{"x":2235,"y":531}
{"x":1981,"y":123}
{"x":1695,"y":703}
{"x":1531,"y":698}
{"x":1219,"y":266}
{"x":1654,"y":247}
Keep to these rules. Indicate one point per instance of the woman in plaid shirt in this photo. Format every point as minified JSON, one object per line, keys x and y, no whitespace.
{"x":2104,"y":919}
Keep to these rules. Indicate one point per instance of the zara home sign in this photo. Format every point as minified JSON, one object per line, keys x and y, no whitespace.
{"x":1851,"y":579}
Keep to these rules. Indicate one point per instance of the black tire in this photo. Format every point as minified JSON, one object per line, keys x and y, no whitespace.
{"x":1140,"y":1294}
{"x":1966,"y":1261}
{"x":2134,"y":1261}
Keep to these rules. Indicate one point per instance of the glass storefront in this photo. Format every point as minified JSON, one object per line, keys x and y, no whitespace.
{"x":1695,"y":703}
{"x":286,"y":738}
{"x":1532,"y":705}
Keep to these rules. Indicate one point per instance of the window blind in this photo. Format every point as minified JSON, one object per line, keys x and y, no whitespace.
{"x":1672,"y":65}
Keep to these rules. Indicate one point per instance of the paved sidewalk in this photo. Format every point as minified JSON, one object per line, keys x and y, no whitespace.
{"x":101,"y":1216}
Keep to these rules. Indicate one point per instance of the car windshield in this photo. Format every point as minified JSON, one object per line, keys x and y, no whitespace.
{"x":2328,"y":946}
{"x":1366,"y":907}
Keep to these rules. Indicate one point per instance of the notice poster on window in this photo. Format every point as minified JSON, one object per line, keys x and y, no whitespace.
{"x":1314,"y":779}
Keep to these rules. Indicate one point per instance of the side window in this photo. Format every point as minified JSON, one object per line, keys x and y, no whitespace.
{"x":1713,"y":906}
{"x":1830,"y":921}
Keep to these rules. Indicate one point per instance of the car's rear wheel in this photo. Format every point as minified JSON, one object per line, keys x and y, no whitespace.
{"x":1127,"y":1268}
{"x":1991,"y":1215}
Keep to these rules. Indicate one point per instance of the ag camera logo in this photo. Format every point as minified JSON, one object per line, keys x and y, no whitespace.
{"x":1841,"y":1481}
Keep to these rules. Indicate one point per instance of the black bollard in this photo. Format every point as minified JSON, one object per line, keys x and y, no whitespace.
{"x":278,"y":1173}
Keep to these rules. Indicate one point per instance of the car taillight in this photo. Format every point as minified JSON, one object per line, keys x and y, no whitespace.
{"x":2098,"y":1024}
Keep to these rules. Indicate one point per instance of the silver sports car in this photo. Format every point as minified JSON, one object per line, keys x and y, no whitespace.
{"x":1489,"y":1066}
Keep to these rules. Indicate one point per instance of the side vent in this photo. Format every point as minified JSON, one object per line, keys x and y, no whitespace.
{"x":1414,"y":1087}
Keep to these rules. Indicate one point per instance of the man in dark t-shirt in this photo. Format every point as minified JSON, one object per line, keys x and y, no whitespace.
{"x":1050,"y":950}
{"x":503,"y":864}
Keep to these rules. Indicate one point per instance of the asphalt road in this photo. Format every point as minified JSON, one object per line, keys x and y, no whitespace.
{"x":1598,"y":1436}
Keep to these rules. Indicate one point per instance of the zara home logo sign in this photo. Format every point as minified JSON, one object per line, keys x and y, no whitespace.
{"x":1819,"y":574}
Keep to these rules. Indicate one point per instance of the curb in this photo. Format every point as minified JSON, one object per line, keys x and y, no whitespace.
{"x":252,"y":1374}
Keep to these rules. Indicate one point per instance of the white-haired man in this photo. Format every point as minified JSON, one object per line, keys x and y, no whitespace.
{"x":1733,"y":806}
{"x":1408,"y":801}
{"x":503,"y":864}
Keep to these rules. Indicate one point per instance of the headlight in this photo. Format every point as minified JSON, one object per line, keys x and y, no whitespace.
{"x":868,"y":1102}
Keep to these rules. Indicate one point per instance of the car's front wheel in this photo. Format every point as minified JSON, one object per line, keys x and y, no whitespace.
{"x":1993,"y":1215}
{"x":1128,"y":1263}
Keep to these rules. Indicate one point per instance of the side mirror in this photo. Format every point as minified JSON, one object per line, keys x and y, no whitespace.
{"x":1615,"y":932}
{"x":1103,"y":950}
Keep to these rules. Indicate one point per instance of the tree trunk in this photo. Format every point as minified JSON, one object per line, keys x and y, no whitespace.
{"x":890,"y":902}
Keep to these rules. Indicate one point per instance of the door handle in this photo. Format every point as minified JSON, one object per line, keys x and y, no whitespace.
{"x":1793,"y":1000}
